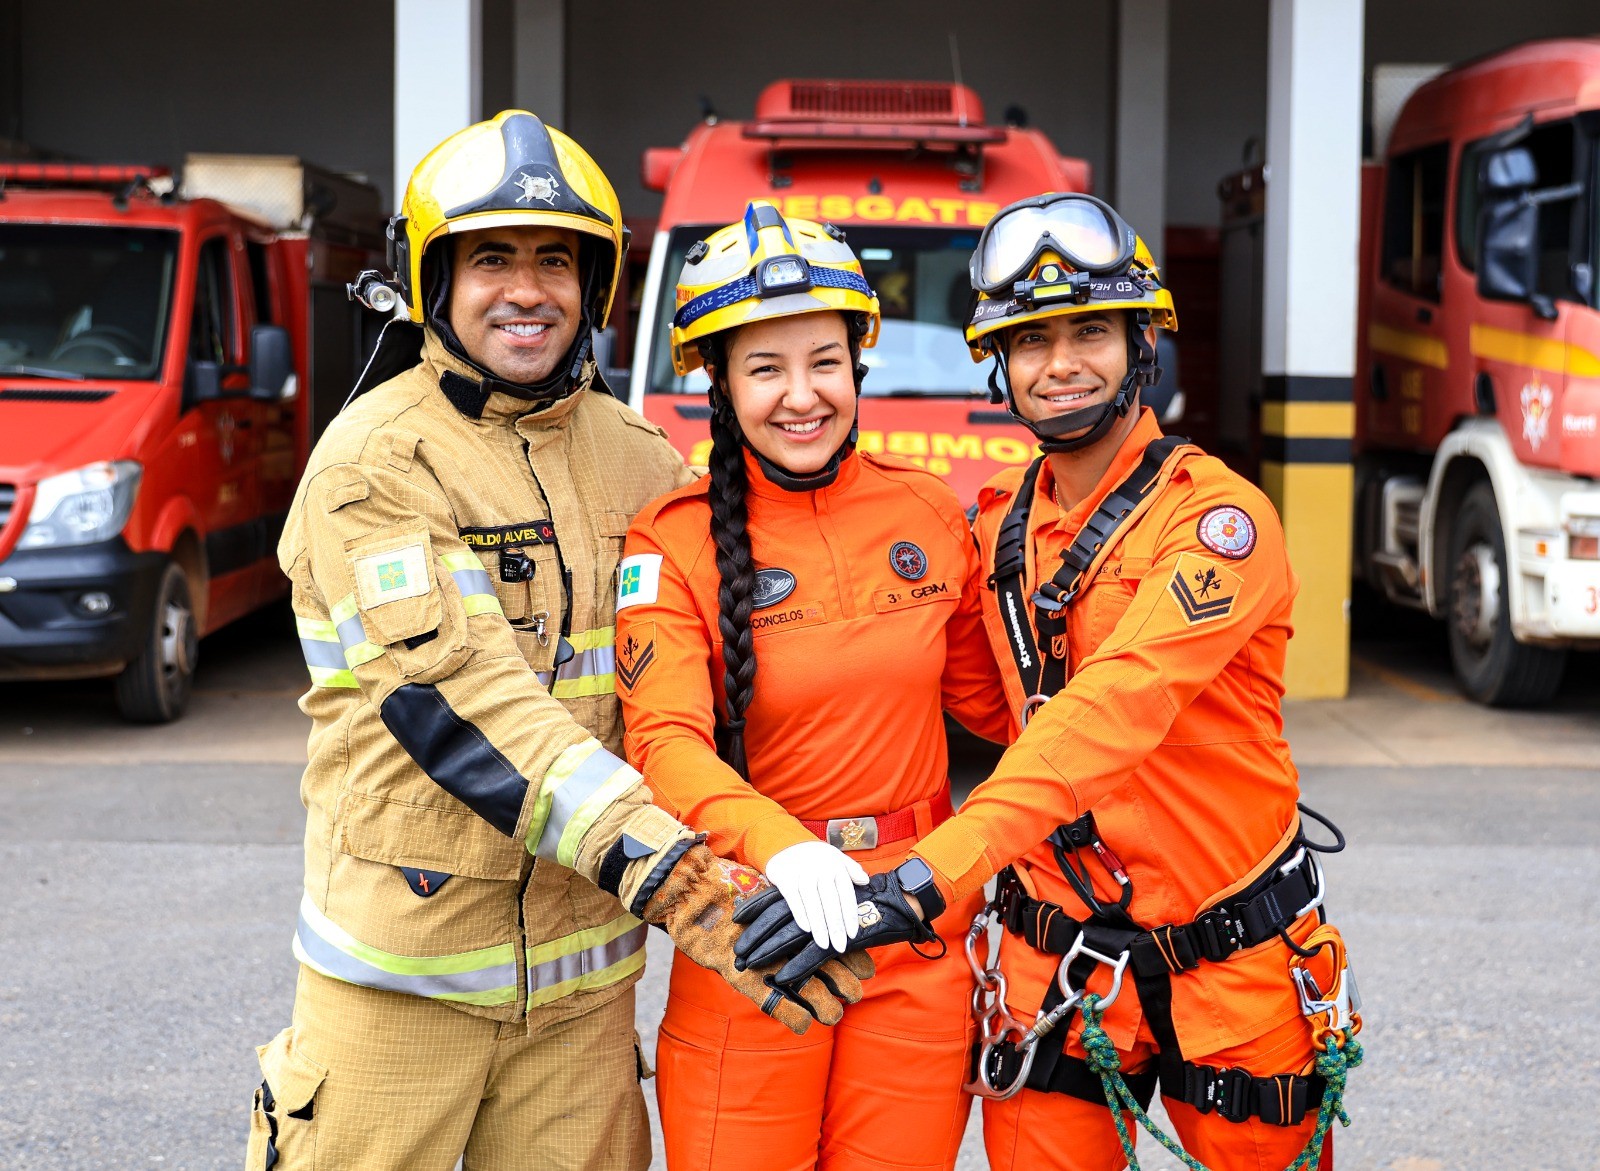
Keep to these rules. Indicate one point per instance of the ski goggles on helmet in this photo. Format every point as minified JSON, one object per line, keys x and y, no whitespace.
{"x":1083,"y":232}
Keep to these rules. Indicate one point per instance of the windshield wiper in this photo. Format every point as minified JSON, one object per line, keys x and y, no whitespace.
{"x":44,"y":372}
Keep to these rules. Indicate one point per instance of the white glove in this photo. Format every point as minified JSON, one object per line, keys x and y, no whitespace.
{"x":819,"y":883}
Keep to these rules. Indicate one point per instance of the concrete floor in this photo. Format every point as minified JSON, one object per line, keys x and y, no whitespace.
{"x":153,"y":876}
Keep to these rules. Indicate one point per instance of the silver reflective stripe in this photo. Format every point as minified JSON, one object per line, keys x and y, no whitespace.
{"x":591,"y":960}
{"x":322,"y":654}
{"x":570,"y":794}
{"x":601,"y":660}
{"x":490,"y":984}
{"x":351,"y":633}
{"x":473,"y":581}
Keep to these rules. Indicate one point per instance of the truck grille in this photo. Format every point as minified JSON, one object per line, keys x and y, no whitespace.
{"x":8,"y":497}
{"x":866,"y":100}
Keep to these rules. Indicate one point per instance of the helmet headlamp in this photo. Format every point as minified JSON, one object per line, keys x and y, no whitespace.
{"x":782,"y":274}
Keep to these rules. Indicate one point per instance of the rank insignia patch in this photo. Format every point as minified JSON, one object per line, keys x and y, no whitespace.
{"x":1229,"y":531}
{"x":635,"y":654}
{"x":1203,"y":591}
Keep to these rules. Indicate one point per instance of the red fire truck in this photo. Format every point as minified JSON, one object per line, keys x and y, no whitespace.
{"x":1478,"y":369}
{"x":912,"y":171}
{"x":166,"y":360}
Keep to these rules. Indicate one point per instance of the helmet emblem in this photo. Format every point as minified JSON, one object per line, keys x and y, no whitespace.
{"x":537,"y":187}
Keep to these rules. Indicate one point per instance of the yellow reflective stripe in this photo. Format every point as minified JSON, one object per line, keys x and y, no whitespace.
{"x":618,"y":971}
{"x":603,"y":798}
{"x":362,"y":652}
{"x":587,"y":685}
{"x":343,"y":609}
{"x":588,"y":640}
{"x":1524,"y":349}
{"x":481,"y":604}
{"x":332,"y":677}
{"x":1413,"y":347}
{"x":316,"y":629}
{"x":455,"y":561}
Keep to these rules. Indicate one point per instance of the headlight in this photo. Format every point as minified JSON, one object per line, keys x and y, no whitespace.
{"x":82,"y":506}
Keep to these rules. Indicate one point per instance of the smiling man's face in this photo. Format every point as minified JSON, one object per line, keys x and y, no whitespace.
{"x":515,"y":298}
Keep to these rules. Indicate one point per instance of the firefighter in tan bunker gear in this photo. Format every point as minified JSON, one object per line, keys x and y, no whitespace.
{"x":478,"y":855}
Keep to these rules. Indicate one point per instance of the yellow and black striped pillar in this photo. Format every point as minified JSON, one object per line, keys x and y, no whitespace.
{"x":1307,"y":424}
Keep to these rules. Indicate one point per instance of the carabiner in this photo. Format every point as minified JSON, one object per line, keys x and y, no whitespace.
{"x":1338,"y":1008}
{"x":990,"y":1058}
{"x":1031,"y":705}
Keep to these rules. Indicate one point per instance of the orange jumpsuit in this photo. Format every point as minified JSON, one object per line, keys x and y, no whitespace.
{"x":1169,"y":730}
{"x":854,"y":666}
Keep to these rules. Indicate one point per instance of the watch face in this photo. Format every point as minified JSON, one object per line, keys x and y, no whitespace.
{"x":914,"y":874}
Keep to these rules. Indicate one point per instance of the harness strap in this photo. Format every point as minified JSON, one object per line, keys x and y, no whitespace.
{"x":1045,"y":674}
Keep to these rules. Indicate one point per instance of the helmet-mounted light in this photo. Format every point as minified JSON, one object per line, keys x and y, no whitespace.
{"x":783,"y":274}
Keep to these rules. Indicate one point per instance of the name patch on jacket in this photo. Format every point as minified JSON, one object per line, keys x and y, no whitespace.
{"x":786,"y":618}
{"x":528,"y":532}
{"x":1203,"y":590}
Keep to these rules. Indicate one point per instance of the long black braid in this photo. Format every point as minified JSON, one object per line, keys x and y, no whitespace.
{"x":730,"y":484}
{"x":730,"y":532}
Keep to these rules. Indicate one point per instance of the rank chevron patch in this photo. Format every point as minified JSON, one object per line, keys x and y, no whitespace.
{"x":1203,"y":590}
{"x":636,"y":654}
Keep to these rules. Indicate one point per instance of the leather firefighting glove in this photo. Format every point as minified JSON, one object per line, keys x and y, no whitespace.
{"x":771,"y":935}
{"x":695,"y":895}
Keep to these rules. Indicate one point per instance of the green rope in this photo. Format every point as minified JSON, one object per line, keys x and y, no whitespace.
{"x":1334,"y":1064}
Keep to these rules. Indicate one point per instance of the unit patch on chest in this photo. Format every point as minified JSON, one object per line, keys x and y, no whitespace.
{"x":1203,"y":590}
{"x":772,"y":586}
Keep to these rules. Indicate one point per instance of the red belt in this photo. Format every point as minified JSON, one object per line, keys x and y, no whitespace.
{"x":883,"y":829}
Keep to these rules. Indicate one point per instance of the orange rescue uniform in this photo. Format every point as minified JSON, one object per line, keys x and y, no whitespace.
{"x":867,"y":626}
{"x":1169,"y":730}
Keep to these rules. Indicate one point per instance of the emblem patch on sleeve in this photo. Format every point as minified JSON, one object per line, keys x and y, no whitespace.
{"x":635,"y":654}
{"x":1229,"y":531}
{"x":1203,"y":591}
{"x":389,"y":577}
{"x":638,"y":579}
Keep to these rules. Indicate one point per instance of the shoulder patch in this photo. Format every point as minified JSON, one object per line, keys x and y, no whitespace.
{"x":1228,"y":531}
{"x":1203,"y":590}
{"x":636,"y":654}
{"x":391,"y":576}
{"x":638,"y":580}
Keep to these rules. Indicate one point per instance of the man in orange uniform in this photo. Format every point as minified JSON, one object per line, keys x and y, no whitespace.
{"x":1140,"y":614}
{"x":862,"y":626}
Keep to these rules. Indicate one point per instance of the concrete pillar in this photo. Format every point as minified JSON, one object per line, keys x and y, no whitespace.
{"x":539,"y":82}
{"x":437,"y":78}
{"x":1139,"y":139}
{"x":1309,"y":318}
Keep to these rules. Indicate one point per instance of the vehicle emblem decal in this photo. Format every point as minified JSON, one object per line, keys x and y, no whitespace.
{"x":908,"y":560}
{"x":772,"y":587}
{"x":1228,"y":530}
{"x":1536,"y":401}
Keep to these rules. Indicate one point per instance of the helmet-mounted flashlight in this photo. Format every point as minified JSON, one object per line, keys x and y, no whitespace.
{"x":1054,"y":283}
{"x":783,"y":274}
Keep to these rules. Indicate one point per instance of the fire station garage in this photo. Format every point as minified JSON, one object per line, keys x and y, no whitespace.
{"x":1230,"y":133}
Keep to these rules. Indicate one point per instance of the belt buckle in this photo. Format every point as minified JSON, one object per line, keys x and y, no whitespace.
{"x":853,"y":833}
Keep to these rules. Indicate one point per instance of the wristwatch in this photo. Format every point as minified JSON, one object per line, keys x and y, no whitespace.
{"x":916,"y":878}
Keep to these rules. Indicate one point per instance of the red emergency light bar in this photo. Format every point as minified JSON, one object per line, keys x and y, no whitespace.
{"x":826,"y":101}
{"x":79,"y":174}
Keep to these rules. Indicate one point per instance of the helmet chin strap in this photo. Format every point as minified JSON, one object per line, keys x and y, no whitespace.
{"x":1142,"y":371}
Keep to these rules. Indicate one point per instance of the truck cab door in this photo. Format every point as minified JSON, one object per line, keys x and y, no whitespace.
{"x":1408,"y":329}
{"x":223,"y":485}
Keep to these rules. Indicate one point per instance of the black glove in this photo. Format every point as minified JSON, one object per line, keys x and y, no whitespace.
{"x":771,"y":935}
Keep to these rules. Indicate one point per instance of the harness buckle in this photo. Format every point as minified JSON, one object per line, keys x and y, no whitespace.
{"x":1220,"y":932}
{"x":1118,"y":965}
{"x":1226,"y":1091}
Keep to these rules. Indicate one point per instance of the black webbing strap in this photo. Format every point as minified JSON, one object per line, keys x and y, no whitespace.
{"x":1044,"y":673}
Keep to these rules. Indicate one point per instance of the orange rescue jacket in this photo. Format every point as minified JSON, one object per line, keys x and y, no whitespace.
{"x":1168,"y":728}
{"x":857,"y":653}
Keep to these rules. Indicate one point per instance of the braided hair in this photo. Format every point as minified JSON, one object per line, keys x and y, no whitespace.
{"x":730,"y":532}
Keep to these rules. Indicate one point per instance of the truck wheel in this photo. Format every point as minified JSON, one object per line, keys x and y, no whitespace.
{"x":154,"y":688}
{"x":1492,"y":666}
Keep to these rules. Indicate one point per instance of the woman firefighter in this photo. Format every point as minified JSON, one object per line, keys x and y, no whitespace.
{"x":1144,"y":822}
{"x":789,"y":631}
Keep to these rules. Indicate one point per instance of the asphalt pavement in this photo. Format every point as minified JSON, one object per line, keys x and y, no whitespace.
{"x":153,"y":876}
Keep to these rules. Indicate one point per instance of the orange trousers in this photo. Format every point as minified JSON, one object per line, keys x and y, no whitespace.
{"x":881,"y":1089}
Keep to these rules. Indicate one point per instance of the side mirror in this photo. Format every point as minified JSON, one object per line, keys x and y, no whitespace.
{"x":271,"y":362}
{"x":202,"y":382}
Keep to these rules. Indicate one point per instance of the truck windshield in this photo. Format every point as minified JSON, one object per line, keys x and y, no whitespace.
{"x":920,"y":276}
{"x":84,"y":301}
